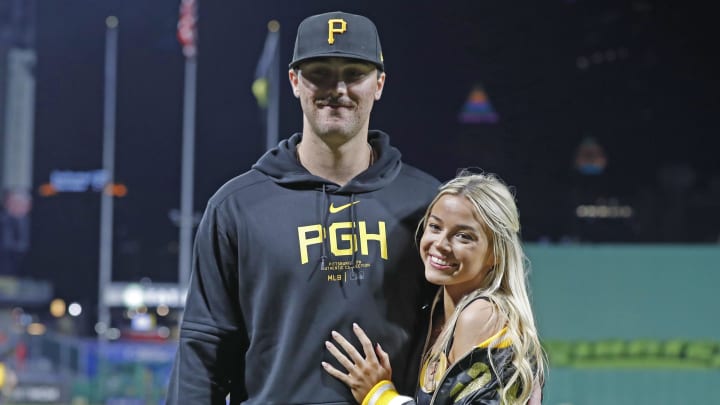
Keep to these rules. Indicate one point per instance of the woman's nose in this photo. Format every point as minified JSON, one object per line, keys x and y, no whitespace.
{"x":442,"y":244}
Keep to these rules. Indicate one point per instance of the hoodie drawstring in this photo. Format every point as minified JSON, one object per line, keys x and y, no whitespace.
{"x":323,"y":221}
{"x":355,"y":236}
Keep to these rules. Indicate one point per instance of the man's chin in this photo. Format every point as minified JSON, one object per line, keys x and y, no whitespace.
{"x":334,"y":128}
{"x":335,"y":135}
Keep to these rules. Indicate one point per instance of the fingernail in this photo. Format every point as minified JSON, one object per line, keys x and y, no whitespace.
{"x":324,"y":364}
{"x":355,"y":325}
{"x":327,"y":344}
{"x":334,"y":334}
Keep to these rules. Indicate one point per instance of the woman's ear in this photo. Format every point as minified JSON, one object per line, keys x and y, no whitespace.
{"x":490,"y":260}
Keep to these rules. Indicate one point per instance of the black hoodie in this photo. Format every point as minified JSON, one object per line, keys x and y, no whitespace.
{"x":274,"y":272}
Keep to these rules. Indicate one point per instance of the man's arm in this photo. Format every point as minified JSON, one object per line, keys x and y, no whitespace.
{"x":209,"y":361}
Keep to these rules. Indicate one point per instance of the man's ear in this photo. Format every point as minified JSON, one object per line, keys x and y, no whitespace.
{"x":293,"y":76}
{"x":380,"y":86}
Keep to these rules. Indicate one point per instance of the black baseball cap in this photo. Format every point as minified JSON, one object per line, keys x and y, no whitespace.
{"x":337,"y":34}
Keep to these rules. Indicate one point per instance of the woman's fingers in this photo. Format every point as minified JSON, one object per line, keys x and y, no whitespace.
{"x":365,"y":342}
{"x":363,"y":372}
{"x":348,"y":347}
{"x":384,"y":358}
{"x":341,"y":358}
{"x":358,"y":365}
{"x":337,"y":373}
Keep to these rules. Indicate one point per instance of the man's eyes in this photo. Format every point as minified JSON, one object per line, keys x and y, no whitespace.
{"x":354,"y":74}
{"x":317,"y":73}
{"x":349,"y":75}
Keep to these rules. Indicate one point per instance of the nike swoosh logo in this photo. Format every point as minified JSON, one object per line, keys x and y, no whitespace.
{"x":335,"y":210}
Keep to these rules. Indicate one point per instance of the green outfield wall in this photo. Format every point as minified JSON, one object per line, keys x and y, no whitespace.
{"x":629,"y":324}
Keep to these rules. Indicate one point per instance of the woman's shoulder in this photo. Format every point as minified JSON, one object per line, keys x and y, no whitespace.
{"x":476,"y":323}
{"x":481,"y":312}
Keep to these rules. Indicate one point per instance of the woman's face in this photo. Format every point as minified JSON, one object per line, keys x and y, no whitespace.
{"x":454,"y":247}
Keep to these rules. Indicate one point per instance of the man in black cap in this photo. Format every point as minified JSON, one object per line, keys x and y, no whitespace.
{"x":318,"y":235}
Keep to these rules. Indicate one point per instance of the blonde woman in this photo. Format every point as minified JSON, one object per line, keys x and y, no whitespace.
{"x":482,"y":345}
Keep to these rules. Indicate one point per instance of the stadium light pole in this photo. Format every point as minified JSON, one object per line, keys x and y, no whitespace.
{"x":106,"y":199}
{"x":187,"y":174}
{"x":187,"y":33}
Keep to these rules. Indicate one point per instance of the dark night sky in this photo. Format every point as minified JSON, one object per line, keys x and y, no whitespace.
{"x":655,"y":107}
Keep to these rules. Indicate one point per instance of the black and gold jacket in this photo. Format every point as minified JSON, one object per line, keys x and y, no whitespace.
{"x":470,"y":380}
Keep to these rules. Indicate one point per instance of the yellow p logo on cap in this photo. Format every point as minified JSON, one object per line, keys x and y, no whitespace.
{"x":334,"y":29}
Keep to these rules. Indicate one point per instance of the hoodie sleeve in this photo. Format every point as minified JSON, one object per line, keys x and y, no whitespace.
{"x":209,"y":362}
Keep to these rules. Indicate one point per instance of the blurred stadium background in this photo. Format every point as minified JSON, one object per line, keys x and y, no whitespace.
{"x":602,"y":114}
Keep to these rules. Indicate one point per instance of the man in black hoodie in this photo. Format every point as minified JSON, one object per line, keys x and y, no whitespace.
{"x":317,"y":235}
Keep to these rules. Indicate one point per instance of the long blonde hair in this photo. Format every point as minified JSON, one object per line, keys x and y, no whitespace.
{"x":505,"y":284}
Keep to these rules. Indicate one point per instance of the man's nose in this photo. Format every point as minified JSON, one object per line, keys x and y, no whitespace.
{"x":339,"y":86}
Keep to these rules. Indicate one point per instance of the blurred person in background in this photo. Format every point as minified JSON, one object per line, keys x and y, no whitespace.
{"x":483,"y":346}
{"x":8,"y":378}
{"x":14,"y":230}
{"x":316,"y":236}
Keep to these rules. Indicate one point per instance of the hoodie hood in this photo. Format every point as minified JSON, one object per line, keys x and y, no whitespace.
{"x":281,"y":165}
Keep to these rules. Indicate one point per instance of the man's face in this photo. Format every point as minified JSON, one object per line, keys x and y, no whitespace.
{"x":337,"y":95}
